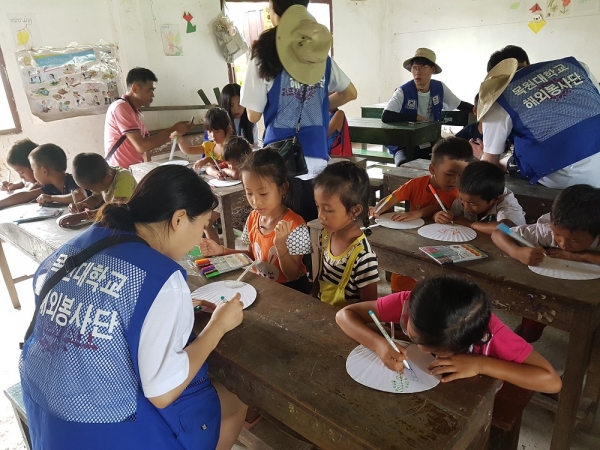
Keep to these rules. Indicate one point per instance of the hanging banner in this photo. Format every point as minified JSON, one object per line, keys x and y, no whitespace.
{"x":70,"y":82}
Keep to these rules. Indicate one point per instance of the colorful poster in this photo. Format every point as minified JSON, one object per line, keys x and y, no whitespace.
{"x":558,"y":8}
{"x":171,"y":40}
{"x":69,"y":82}
{"x":586,"y":7}
{"x":25,"y":31}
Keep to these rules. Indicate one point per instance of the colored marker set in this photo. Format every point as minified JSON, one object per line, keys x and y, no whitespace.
{"x":214,"y":266}
{"x":206,"y":268}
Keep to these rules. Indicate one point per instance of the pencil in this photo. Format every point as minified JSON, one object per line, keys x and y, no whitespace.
{"x":387,"y":337}
{"x":385,"y":200}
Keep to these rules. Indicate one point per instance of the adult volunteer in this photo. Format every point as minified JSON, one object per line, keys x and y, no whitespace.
{"x":111,"y":363}
{"x":288,"y":61}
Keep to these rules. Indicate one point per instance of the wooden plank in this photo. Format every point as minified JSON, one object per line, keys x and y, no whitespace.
{"x":217,"y":92}
{"x":453,"y":118}
{"x":9,"y":281}
{"x":204,"y":97}
{"x":381,"y":156}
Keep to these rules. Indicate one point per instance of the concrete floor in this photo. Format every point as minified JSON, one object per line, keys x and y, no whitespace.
{"x":537,"y":422}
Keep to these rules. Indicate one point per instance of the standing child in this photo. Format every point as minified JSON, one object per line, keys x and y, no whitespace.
{"x":483,"y":201}
{"x":277,"y":236}
{"x":451,"y":318}
{"x":449,"y":158}
{"x":18,"y":160}
{"x":107,"y":184}
{"x":218,"y":125}
{"x":230,"y":100}
{"x":571,"y":231}
{"x":348,"y":267}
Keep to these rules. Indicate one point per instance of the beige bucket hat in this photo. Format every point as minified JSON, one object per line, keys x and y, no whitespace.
{"x":494,"y":84}
{"x":429,"y":55}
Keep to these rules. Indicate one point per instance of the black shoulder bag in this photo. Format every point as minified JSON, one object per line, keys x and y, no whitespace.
{"x":291,"y":150}
{"x":75,"y":261}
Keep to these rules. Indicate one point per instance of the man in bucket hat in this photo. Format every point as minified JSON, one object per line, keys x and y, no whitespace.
{"x":552,"y":109}
{"x":421,"y":99}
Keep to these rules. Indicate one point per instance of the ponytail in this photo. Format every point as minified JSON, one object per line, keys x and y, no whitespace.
{"x":117,"y":216}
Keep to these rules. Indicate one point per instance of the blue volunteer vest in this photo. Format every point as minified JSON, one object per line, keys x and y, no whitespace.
{"x":555,"y":110}
{"x":411,"y":102}
{"x":283,"y":110}
{"x":79,"y":369}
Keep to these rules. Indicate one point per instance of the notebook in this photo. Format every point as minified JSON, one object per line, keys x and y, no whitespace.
{"x":448,"y":254}
{"x":35,"y":212}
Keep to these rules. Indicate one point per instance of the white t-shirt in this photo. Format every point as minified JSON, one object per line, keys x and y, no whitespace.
{"x":507,"y":209}
{"x":497,"y":126}
{"x":540,"y":233}
{"x":254,"y":97}
{"x":424,"y":106}
{"x":163,"y":363}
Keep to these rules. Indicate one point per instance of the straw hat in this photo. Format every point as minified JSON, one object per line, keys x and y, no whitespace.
{"x":494,"y":84}
{"x":302,"y":45}
{"x":429,"y":55}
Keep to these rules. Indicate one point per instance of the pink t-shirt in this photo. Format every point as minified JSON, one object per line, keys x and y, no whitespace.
{"x":504,"y":344}
{"x":122,"y":118}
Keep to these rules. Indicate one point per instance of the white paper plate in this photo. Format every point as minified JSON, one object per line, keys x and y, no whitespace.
{"x":223,"y":183}
{"x":566,"y":270}
{"x":385,"y":220}
{"x":365,"y":367}
{"x":218,"y":291}
{"x":447,"y":232}
{"x":176,"y":162}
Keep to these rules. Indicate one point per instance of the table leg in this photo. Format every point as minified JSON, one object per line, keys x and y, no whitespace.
{"x":227,"y":222}
{"x":314,"y":242}
{"x":575,"y":366}
{"x":8,"y":279}
{"x":591,"y":390}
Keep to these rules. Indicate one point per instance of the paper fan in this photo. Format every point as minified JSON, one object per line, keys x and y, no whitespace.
{"x":365,"y":367}
{"x":448,"y":232}
{"x":176,"y":162}
{"x":81,"y":223}
{"x":385,"y":220}
{"x":223,"y":183}
{"x":218,"y":291}
{"x":566,"y":270}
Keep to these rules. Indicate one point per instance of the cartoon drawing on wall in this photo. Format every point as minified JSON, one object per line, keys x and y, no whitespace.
{"x":25,"y":31}
{"x":558,"y":8}
{"x":71,"y":81}
{"x":171,"y":40}
{"x":187,"y":16}
{"x":515,"y":10}
{"x":537,"y":23}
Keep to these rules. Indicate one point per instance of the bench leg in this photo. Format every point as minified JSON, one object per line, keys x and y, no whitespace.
{"x":227,"y":222}
{"x":22,"y":421}
{"x":8,"y":279}
{"x":505,"y":440}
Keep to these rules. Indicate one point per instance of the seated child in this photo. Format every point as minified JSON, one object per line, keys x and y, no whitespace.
{"x":571,"y":231}
{"x":347,"y":264}
{"x":483,"y":200}
{"x":218,"y":125}
{"x":17,"y":160}
{"x":276,"y":235}
{"x":451,"y":317}
{"x":338,"y":135}
{"x":107,"y":184}
{"x":449,"y":158}
{"x":235,"y":151}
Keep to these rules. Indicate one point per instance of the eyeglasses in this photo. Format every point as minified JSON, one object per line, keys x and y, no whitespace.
{"x":419,"y":67}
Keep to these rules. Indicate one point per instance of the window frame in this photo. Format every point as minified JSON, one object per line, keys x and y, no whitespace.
{"x":10,"y":99}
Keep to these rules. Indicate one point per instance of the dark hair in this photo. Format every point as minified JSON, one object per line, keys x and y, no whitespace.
{"x":422,"y":61}
{"x":452,"y":148}
{"x":161,"y":192}
{"x":269,"y":64}
{"x":89,"y":168}
{"x":267,"y":163}
{"x":227,"y":93}
{"x":139,"y":75}
{"x":50,"y":156}
{"x":577,"y":208}
{"x":476,"y":99}
{"x":217,"y":118}
{"x":510,"y":51}
{"x":281,"y":6}
{"x":350,"y":182}
{"x":236,"y":148}
{"x":482,"y":178}
{"x":449,"y":313}
{"x":18,"y":155}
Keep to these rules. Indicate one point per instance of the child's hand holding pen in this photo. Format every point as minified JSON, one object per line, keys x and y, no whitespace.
{"x":390,"y":357}
{"x":443,"y":217}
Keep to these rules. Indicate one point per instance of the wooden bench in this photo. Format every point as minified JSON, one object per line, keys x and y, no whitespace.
{"x":536,"y":200}
{"x":15,"y":397}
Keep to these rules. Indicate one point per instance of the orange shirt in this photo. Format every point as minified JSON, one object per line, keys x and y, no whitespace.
{"x":419,"y":195}
{"x":262,"y":246}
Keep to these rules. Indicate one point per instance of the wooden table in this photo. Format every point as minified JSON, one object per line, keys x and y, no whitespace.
{"x":454,"y":118}
{"x":288,"y":359}
{"x":572,"y":306}
{"x":230,"y":199}
{"x":535,"y":200}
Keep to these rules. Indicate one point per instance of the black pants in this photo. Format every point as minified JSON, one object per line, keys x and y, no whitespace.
{"x":301,"y":285}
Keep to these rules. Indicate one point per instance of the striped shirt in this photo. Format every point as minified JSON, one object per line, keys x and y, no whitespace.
{"x":363,"y":273}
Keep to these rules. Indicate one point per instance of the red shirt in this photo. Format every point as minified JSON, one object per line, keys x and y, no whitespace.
{"x":419,"y":195}
{"x":504,"y":344}
{"x":123,"y":118}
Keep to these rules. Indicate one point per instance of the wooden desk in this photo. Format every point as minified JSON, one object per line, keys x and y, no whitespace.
{"x":230,"y":199}
{"x":288,"y":359}
{"x":573,"y":306}
{"x":408,"y":135}
{"x":454,"y":118}
{"x":535,"y":200}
